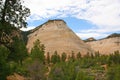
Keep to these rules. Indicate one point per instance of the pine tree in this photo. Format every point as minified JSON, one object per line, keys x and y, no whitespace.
{"x":36,"y":67}
{"x":55,"y":58}
{"x":78,"y":55}
{"x":73,"y":56}
{"x":37,"y":51}
{"x":18,"y":51}
{"x":64,"y":56}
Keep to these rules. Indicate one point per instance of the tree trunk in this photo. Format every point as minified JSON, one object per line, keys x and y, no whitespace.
{"x":4,"y":10}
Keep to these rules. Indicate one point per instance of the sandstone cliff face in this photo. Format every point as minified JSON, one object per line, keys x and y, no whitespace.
{"x":56,"y":36}
{"x":106,"y":46}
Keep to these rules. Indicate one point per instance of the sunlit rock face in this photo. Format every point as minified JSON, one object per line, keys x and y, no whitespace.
{"x":107,"y":45}
{"x":57,"y":36}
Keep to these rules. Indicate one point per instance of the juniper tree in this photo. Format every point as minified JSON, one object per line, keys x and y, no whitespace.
{"x":13,"y":12}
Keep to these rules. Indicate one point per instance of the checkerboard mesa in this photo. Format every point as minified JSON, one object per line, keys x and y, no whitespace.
{"x":57,"y":36}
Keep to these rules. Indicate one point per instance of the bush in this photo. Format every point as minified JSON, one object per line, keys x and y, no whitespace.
{"x":113,"y":73}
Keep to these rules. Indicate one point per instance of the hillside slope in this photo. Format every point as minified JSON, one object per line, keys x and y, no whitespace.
{"x":56,"y":36}
{"x":107,"y":45}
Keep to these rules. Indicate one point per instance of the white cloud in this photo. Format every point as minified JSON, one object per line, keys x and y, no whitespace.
{"x":28,"y":28}
{"x":88,"y":35}
{"x":103,"y":13}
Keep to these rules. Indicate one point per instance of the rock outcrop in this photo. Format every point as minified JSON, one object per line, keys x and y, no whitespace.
{"x":90,"y":39}
{"x":15,"y":77}
{"x":56,"y":36}
{"x":107,"y":45}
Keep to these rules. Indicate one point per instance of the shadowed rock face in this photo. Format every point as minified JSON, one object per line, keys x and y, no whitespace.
{"x":56,"y":36}
{"x":106,"y":45}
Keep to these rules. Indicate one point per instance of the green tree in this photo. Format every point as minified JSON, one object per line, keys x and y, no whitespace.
{"x":36,"y":67}
{"x":38,"y":50}
{"x":18,"y":51}
{"x":97,"y":54}
{"x":113,"y":73}
{"x":4,"y":66}
{"x":48,"y":58}
{"x":87,"y":55}
{"x":114,"y":58}
{"x":12,"y":17}
{"x":72,"y":56}
{"x":78,"y":55}
{"x":55,"y":58}
{"x":13,"y":12}
{"x":63,"y":57}
{"x":92,"y":55}
{"x":4,"y":52}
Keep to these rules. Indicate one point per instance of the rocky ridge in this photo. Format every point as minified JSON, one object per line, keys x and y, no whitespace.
{"x":90,"y":39}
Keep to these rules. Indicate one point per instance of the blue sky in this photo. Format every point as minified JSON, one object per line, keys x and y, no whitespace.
{"x":87,"y":18}
{"x":75,"y":24}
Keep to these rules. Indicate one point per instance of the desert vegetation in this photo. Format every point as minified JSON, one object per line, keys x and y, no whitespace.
{"x":35,"y":66}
